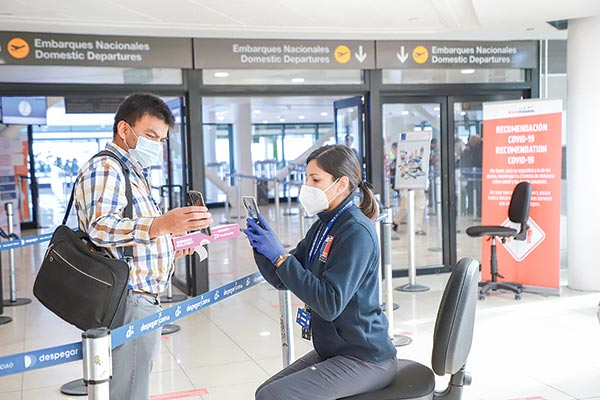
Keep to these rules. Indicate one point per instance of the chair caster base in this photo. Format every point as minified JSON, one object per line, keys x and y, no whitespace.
{"x":486,"y":286}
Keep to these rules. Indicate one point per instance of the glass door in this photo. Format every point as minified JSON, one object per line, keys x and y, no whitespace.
{"x":169,"y":182}
{"x":401,"y":119}
{"x":466,"y":142}
{"x":218,"y":156}
{"x":350,"y":125}
{"x":452,"y":201}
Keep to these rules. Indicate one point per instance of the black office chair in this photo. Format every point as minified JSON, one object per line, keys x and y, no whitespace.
{"x":518,"y":211}
{"x":452,"y":339}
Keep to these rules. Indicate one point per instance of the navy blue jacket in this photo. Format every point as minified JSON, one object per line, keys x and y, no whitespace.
{"x":342,"y":291}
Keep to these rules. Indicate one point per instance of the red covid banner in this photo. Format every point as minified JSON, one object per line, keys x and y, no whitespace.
{"x":522,"y":142}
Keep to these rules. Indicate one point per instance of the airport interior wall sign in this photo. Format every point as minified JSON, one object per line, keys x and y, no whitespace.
{"x":26,"y":48}
{"x":456,"y":54}
{"x":284,"y":54}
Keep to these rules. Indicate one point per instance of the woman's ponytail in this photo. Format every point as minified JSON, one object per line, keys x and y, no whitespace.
{"x":368,"y":205}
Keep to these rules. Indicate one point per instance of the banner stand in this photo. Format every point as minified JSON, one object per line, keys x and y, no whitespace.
{"x":523,"y":143}
{"x":412,"y":285}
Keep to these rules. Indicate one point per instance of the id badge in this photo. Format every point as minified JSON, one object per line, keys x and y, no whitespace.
{"x":303,"y":319}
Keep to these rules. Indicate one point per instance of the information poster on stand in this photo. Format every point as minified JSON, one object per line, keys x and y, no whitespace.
{"x":522,"y":142}
{"x":412,"y":160}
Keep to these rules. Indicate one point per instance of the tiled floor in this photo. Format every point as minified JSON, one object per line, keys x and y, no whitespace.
{"x":539,"y":347}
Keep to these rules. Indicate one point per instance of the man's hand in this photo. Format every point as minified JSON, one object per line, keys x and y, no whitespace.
{"x":184,"y":252}
{"x":179,"y":221}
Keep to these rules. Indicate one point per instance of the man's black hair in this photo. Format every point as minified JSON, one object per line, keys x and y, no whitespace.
{"x":136,"y":105}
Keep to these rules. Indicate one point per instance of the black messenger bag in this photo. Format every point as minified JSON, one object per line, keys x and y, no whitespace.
{"x":80,"y":282}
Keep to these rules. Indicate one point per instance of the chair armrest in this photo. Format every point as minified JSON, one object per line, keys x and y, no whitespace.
{"x":522,"y":234}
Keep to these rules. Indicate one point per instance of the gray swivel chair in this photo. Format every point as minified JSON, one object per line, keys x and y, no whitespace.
{"x":452,"y":339}
{"x":518,"y":211}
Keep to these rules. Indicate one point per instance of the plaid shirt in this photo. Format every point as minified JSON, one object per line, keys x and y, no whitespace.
{"x":100,"y":203}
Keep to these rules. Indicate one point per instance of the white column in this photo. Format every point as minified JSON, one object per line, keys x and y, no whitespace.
{"x":209,"y":148}
{"x":242,"y":133}
{"x":583,"y":156}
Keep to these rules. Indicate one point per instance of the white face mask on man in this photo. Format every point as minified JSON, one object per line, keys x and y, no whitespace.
{"x":313,"y":199}
{"x":147,"y":152}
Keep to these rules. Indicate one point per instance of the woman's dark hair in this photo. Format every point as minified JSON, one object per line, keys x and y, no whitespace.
{"x":136,"y":105}
{"x":339,"y":161}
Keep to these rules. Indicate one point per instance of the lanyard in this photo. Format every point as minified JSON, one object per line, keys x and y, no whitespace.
{"x":320,"y":237}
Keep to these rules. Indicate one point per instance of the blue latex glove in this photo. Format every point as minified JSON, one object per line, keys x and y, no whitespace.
{"x":263,"y":238}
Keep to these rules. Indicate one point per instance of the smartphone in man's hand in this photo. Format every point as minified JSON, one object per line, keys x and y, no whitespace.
{"x":197,"y":199}
{"x":251,"y":207}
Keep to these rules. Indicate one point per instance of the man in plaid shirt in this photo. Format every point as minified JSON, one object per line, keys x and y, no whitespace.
{"x":140,"y":130}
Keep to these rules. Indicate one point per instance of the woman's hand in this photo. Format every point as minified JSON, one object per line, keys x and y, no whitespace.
{"x":263,"y":238}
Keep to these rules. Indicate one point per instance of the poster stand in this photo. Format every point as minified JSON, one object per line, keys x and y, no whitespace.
{"x":412,"y":172}
{"x":412,"y":285}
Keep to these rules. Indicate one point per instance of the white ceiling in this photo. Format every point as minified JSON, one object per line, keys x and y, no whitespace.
{"x":301,"y":19}
{"x":273,"y":110}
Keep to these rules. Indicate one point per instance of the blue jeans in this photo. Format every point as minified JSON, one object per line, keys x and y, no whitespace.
{"x":132,"y":362}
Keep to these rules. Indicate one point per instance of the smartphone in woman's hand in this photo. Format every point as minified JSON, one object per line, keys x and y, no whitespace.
{"x":251,"y":207}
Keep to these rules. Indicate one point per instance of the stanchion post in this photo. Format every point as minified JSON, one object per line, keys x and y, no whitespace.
{"x":169,"y":298}
{"x":474,"y":195}
{"x":389,"y":305}
{"x":301,"y":212}
{"x":227,"y":217}
{"x":412,"y":285}
{"x":278,"y":211}
{"x":438,"y":218}
{"x":276,"y":192}
{"x":285,"y":319}
{"x":379,"y":232}
{"x":288,"y":188}
{"x":97,"y":363}
{"x":438,"y":206}
{"x":13,"y":300}
{"x":255,"y":179}
{"x":239,"y":197}
{"x":3,"y":319}
{"x":412,"y":279}
{"x":458,"y":186}
{"x":11,"y":254}
{"x":289,"y":199}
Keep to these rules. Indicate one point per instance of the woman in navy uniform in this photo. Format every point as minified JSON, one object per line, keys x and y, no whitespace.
{"x":334,"y":271}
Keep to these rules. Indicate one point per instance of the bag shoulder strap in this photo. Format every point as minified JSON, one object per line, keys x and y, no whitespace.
{"x":128,"y":251}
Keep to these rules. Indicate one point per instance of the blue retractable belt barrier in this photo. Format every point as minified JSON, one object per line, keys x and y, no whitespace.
{"x":28,"y":241}
{"x":43,"y":358}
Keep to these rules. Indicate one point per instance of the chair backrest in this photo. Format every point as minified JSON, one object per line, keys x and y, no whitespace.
{"x":453,"y":333}
{"x":518,"y":210}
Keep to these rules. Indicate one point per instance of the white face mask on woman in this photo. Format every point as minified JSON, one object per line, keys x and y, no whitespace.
{"x":147,"y":152}
{"x":313,"y":199}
